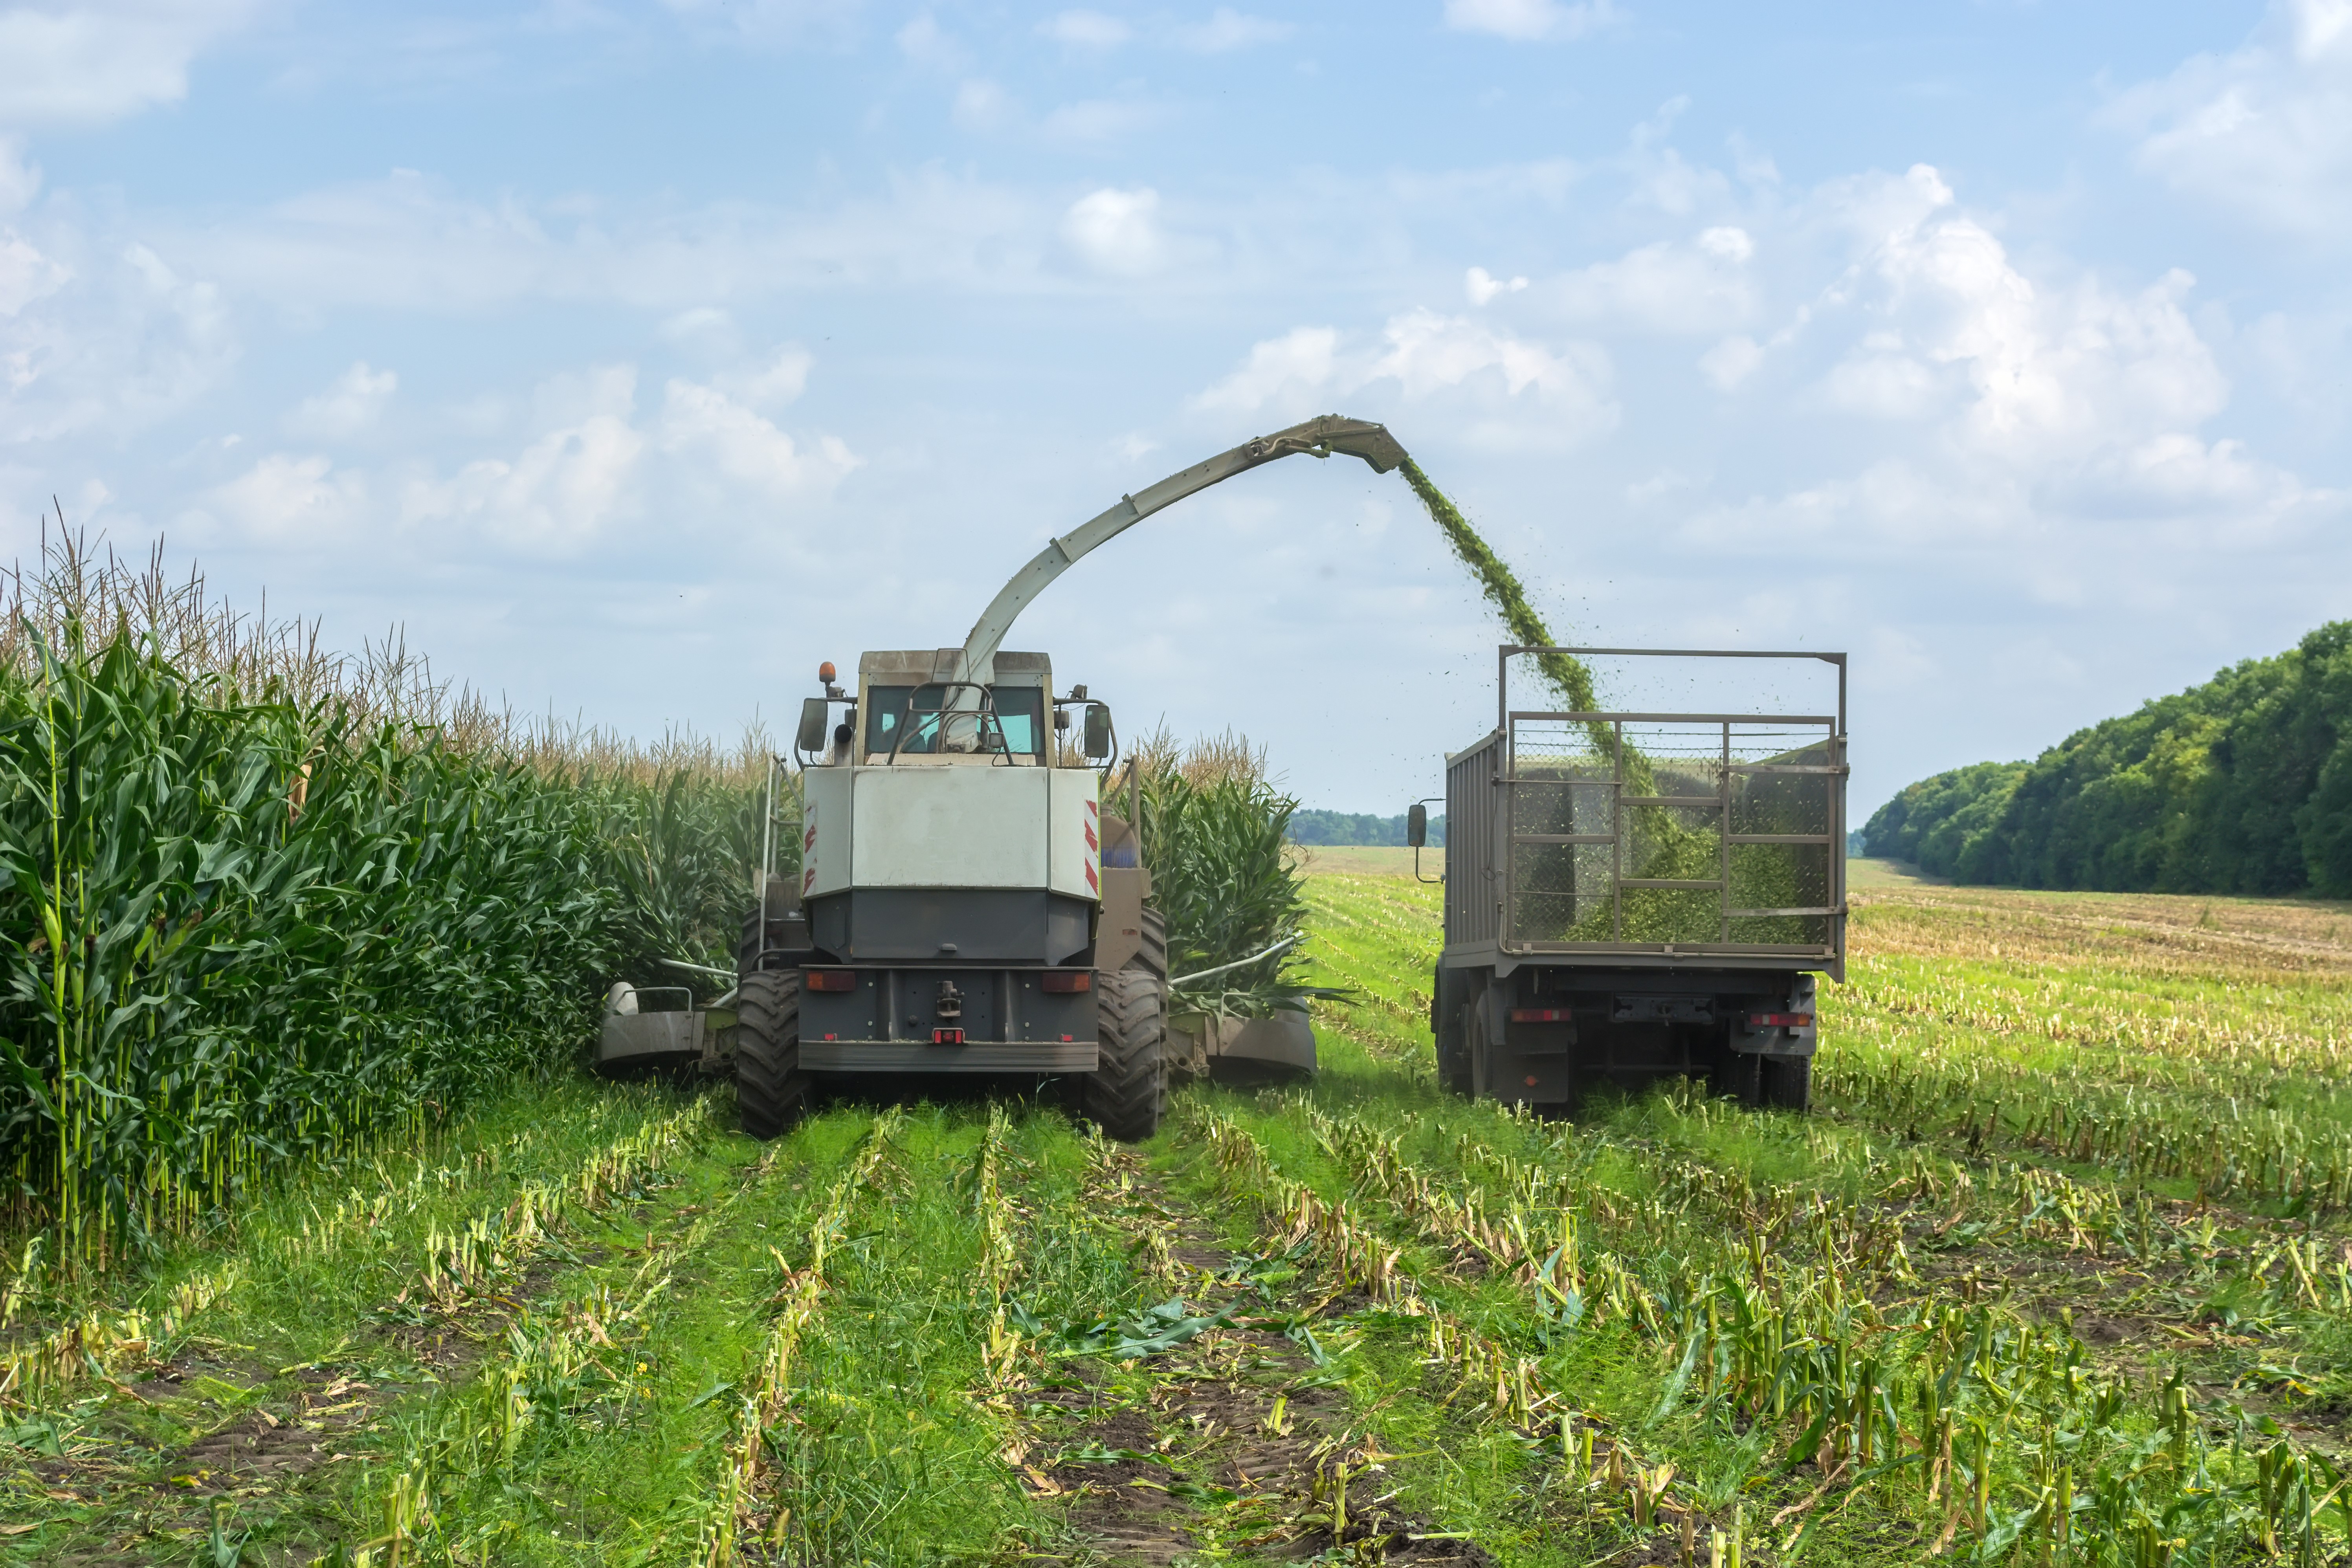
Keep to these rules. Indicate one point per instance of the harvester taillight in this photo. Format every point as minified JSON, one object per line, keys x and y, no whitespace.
{"x":1779,"y":1020}
{"x":830,"y":979}
{"x":1066,"y":982}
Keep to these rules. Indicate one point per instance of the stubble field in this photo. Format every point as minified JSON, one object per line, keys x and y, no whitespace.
{"x":2056,"y":1272}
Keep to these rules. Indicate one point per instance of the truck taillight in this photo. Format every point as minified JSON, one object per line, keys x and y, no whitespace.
{"x":1779,"y":1020}
{"x":1063,"y":982}
{"x":946,"y":1037}
{"x":830,"y":979}
{"x":1539,"y":1015}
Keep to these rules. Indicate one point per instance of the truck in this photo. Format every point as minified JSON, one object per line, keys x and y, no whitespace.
{"x":966,"y":900}
{"x":1633,"y":896}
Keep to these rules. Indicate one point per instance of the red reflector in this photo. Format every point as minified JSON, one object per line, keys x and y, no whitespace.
{"x":1063,"y":982}
{"x":1539,"y":1015}
{"x":830,"y":979}
{"x":946,"y":1037}
{"x":1779,"y":1020}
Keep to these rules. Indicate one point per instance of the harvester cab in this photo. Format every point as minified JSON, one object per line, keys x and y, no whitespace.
{"x":967,"y":901}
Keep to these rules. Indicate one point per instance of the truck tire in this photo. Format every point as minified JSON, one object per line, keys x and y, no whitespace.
{"x":1449,"y":1022}
{"x":1738,"y":1075}
{"x":1786,"y":1082}
{"x":1127,"y":1095}
{"x":770,"y":1087}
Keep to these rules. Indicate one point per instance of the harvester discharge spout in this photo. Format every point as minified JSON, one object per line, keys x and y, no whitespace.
{"x":1320,"y":437}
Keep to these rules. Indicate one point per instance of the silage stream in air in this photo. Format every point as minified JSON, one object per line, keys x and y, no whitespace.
{"x":1658,"y":843}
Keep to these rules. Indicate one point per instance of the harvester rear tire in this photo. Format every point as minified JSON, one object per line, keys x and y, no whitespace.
{"x":1151,"y":957}
{"x":1127,"y":1094}
{"x":1787,"y":1082}
{"x":770,"y":1088}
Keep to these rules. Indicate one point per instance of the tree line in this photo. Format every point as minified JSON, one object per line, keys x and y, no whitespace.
{"x":2242,"y":784}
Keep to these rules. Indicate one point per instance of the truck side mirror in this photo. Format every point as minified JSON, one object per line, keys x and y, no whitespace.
{"x":1097,"y":732}
{"x":1416,"y":825}
{"x":813,"y":724}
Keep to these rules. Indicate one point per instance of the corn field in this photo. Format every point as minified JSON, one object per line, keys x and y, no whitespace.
{"x":260,"y":904}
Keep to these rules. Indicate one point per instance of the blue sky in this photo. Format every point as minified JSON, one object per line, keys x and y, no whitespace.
{"x":633,"y":359}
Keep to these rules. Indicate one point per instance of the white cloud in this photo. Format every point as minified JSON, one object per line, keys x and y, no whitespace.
{"x":1227,"y":29}
{"x":781,"y":381}
{"x":101,"y":339}
{"x":981,"y":105}
{"x":26,"y":275}
{"x":289,"y":501}
{"x":2049,"y":416}
{"x":1701,"y":286}
{"x":704,"y":327}
{"x":922,"y":40}
{"x":91,"y":61}
{"x":1726,"y":244}
{"x":408,"y":243}
{"x":1302,"y":363}
{"x":1882,"y":379}
{"x":20,"y":180}
{"x":586,"y":465}
{"x":1117,"y":231}
{"x":352,"y":404}
{"x":1086,"y":30}
{"x":768,"y":22}
{"x":1428,"y":356}
{"x":703,"y":423}
{"x":1731,"y":362}
{"x":1482,"y":286}
{"x":2266,"y":131}
{"x":2033,"y":369}
{"x":561,"y":491}
{"x":1530,"y":20}
{"x":1097,"y":119}
{"x":1223,"y":31}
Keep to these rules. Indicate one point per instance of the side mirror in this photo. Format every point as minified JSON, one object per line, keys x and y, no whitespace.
{"x":1416,"y":825}
{"x":813,"y":724}
{"x":1097,"y":732}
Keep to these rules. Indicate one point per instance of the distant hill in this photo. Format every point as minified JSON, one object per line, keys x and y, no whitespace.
{"x":2241,"y":786}
{"x":1345,"y":827}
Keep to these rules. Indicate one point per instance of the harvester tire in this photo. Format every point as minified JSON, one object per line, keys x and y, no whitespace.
{"x":747,"y":945}
{"x":1127,"y":1094}
{"x":770,"y":1087}
{"x":1151,"y":957}
{"x":1786,"y":1082}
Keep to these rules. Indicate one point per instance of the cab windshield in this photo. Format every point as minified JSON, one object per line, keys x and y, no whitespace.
{"x":1016,"y":713}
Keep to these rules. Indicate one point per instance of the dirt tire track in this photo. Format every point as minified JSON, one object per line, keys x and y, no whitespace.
{"x":1242,"y":1453}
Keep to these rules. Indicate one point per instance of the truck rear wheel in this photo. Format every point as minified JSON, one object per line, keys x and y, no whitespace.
{"x":1449,"y":1021}
{"x":1787,"y":1082}
{"x":769,"y":1084}
{"x":1127,"y":1095}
